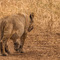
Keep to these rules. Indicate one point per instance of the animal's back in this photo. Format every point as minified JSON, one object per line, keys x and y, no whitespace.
{"x":15,"y":23}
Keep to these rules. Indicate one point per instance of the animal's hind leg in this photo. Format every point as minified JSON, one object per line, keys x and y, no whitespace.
{"x":23,"y":37}
{"x":6,"y":36}
{"x":6,"y":48}
{"x":3,"y":48}
{"x":0,"y":48}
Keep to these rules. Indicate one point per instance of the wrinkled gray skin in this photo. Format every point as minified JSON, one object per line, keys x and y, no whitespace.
{"x":14,"y":27}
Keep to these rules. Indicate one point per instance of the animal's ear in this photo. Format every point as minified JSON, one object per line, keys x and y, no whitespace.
{"x":32,"y":16}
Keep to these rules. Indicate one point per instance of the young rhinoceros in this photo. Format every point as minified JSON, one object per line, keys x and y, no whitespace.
{"x":14,"y":27}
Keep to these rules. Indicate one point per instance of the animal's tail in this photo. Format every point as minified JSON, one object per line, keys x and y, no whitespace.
{"x":32,"y":16}
{"x":2,"y":34}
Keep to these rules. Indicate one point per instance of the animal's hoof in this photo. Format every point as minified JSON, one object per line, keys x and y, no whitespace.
{"x":4,"y":54}
{"x":0,"y":54}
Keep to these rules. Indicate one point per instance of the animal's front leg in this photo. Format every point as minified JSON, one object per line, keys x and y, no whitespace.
{"x":22,"y":40}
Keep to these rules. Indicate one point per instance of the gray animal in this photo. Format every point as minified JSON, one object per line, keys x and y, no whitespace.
{"x":14,"y":27}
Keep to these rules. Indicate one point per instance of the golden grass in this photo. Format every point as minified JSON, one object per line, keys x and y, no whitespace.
{"x":41,"y":8}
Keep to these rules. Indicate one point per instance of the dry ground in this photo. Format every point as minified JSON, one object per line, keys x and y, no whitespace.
{"x":43,"y":43}
{"x":47,"y":48}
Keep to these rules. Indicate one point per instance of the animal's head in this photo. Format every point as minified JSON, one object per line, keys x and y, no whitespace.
{"x":31,"y":22}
